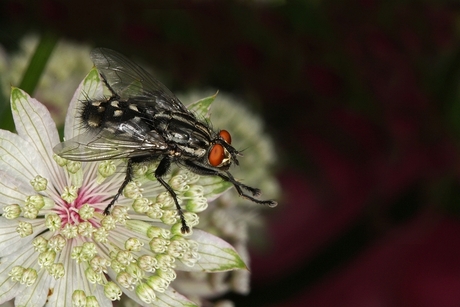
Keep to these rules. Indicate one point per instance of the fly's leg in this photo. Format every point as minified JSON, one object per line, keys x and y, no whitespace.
{"x":161,"y":170}
{"x":256,"y":192}
{"x":128,"y":178}
{"x":202,"y":170}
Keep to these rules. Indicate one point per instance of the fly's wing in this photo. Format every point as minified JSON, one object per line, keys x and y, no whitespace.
{"x":126,"y":141}
{"x":128,"y":80}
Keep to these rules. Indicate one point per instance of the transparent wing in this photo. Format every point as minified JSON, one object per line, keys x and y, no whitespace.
{"x":107,"y":145}
{"x":128,"y":80}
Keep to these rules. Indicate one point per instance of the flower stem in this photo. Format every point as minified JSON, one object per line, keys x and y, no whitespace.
{"x":38,"y":62}
{"x":31,"y":76}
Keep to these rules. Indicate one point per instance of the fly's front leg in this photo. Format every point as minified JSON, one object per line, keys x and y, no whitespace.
{"x":203,"y":170}
{"x":161,"y":170}
{"x":256,"y":192}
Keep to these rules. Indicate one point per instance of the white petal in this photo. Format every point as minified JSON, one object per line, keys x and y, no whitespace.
{"x":90,"y":87}
{"x":98,"y":292}
{"x":10,"y":241}
{"x":169,"y":298}
{"x":74,"y":279}
{"x":19,"y":159}
{"x":172,"y":298}
{"x":13,"y":190}
{"x":63,"y":288}
{"x":36,"y":294}
{"x":8,"y":288}
{"x":216,"y":254}
{"x":34,"y":124}
{"x":208,"y":287}
{"x":131,"y":294}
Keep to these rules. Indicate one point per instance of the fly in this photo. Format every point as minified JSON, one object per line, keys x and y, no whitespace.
{"x":143,"y":121}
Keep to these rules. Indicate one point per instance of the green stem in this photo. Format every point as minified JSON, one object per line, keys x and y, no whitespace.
{"x":31,"y":76}
{"x":38,"y":62}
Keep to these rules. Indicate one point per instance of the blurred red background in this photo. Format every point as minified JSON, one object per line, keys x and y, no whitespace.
{"x":362,"y":99}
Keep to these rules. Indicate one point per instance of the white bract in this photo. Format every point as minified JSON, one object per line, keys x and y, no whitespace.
{"x":56,"y":246}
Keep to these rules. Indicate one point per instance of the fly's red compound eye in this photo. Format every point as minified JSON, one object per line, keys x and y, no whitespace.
{"x":226,"y":136}
{"x":216,"y":155}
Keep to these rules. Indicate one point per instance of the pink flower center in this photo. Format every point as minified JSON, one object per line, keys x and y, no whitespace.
{"x":69,"y":212}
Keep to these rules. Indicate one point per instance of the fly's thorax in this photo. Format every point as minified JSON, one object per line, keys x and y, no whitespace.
{"x":182,"y":129}
{"x":191,"y":152}
{"x":188,"y":140}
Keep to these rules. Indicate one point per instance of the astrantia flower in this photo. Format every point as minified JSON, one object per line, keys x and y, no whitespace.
{"x":57,"y":247}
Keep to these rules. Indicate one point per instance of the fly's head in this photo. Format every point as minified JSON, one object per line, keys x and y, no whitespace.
{"x":221,"y":154}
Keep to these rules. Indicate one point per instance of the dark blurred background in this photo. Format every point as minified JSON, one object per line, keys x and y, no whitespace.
{"x":363,"y":101}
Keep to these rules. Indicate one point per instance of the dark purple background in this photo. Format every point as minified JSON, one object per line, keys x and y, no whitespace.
{"x":362,"y":99}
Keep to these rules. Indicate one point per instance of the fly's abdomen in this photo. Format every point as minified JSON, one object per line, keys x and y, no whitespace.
{"x":98,"y":114}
